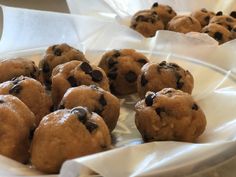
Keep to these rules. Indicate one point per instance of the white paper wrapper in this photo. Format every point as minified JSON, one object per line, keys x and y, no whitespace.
{"x":215,"y":91}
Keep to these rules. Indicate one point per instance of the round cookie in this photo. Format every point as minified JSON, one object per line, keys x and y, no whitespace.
{"x":155,"y":77}
{"x":67,"y":134}
{"x":122,"y":68}
{"x":224,"y":20}
{"x":146,"y":22}
{"x":165,"y":12}
{"x":203,"y":16}
{"x":73,"y":74}
{"x":11,"y":68}
{"x":218,"y":32}
{"x":55,"y":55}
{"x":17,"y":123}
{"x":169,"y":115}
{"x":96,"y":100}
{"x":31,"y":92}
{"x":184,"y":24}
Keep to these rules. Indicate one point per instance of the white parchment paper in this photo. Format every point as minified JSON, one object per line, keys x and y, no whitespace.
{"x":212,"y":66}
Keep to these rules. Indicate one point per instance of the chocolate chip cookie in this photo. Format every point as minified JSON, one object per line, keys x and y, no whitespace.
{"x":224,"y":20}
{"x":165,"y":12}
{"x":31,"y":92}
{"x":184,"y":24}
{"x":155,"y":77}
{"x":169,"y":115}
{"x":218,"y":32}
{"x":11,"y":68}
{"x":17,"y":122}
{"x":122,"y":68}
{"x":55,"y":55}
{"x":203,"y":16}
{"x":67,"y":134}
{"x":96,"y":100}
{"x":73,"y":74}
{"x":146,"y":22}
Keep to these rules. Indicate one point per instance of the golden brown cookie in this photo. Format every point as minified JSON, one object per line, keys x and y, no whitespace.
{"x":122,"y":68}
{"x":203,"y":16}
{"x":169,"y":115}
{"x":96,"y":100}
{"x":67,"y":134}
{"x":224,"y":20}
{"x":155,"y":77}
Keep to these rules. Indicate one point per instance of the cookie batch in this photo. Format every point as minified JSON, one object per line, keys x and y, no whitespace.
{"x":219,"y":26}
{"x":67,"y":107}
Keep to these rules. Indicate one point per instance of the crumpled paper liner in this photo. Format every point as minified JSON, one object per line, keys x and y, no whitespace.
{"x":215,"y":90}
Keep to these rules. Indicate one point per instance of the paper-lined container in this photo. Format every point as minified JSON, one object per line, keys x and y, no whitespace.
{"x":215,"y":92}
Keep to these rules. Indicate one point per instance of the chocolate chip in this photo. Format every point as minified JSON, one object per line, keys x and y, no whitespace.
{"x":1,"y":101}
{"x":219,"y":13}
{"x":46,"y":67}
{"x":179,"y":83}
{"x":155,"y":4}
{"x":57,"y":51}
{"x":112,"y":75}
{"x":102,"y":100}
{"x":72,"y":81}
{"x":112,"y":88}
{"x":81,"y":114}
{"x":61,"y":106}
{"x":149,"y":99}
{"x":140,"y":18}
{"x":159,"y":111}
{"x":204,"y":10}
{"x":91,"y":126}
{"x":111,"y":62}
{"x":233,"y":14}
{"x":174,"y":65}
{"x":229,"y":27}
{"x":144,"y":81}
{"x":98,"y":111}
{"x":134,"y":26}
{"x":195,"y":106}
{"x":116,"y":54}
{"x":234,"y":29}
{"x":15,"y":89}
{"x":86,"y":67}
{"x":206,"y":31}
{"x":218,"y":36}
{"x":163,"y":63}
{"x":229,"y":19}
{"x":207,"y":19}
{"x":96,"y":75}
{"x":142,"y":61}
{"x":131,"y":76}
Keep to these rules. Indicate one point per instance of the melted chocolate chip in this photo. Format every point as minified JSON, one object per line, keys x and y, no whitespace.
{"x":204,"y":10}
{"x":72,"y":81}
{"x":218,"y":36}
{"x":142,"y":61}
{"x":102,"y":100}
{"x":229,"y":27}
{"x":155,"y":4}
{"x":149,"y":99}
{"x":15,"y":89}
{"x":131,"y":76}
{"x":1,"y":101}
{"x":111,"y":62}
{"x":233,"y":14}
{"x":86,"y":67}
{"x":163,"y":63}
{"x":81,"y":114}
{"x":220,"y":13}
{"x":179,"y":83}
{"x":57,"y":51}
{"x":144,"y":81}
{"x":207,"y":19}
{"x":159,"y":111}
{"x":96,"y":75}
{"x":195,"y":107}
{"x":91,"y":126}
{"x":46,"y":67}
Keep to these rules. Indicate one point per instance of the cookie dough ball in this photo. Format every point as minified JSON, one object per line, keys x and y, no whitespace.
{"x":122,"y":68}
{"x":169,"y":115}
{"x":224,"y":20}
{"x":67,"y":134}
{"x":17,"y":123}
{"x":55,"y":55}
{"x":96,"y":100}
{"x":203,"y":16}
{"x":155,"y":77}
{"x":146,"y":22}
{"x":184,"y":24}
{"x":11,"y":68}
{"x":218,"y":32}
{"x":73,"y":74}
{"x":31,"y":92}
{"x":165,"y":12}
